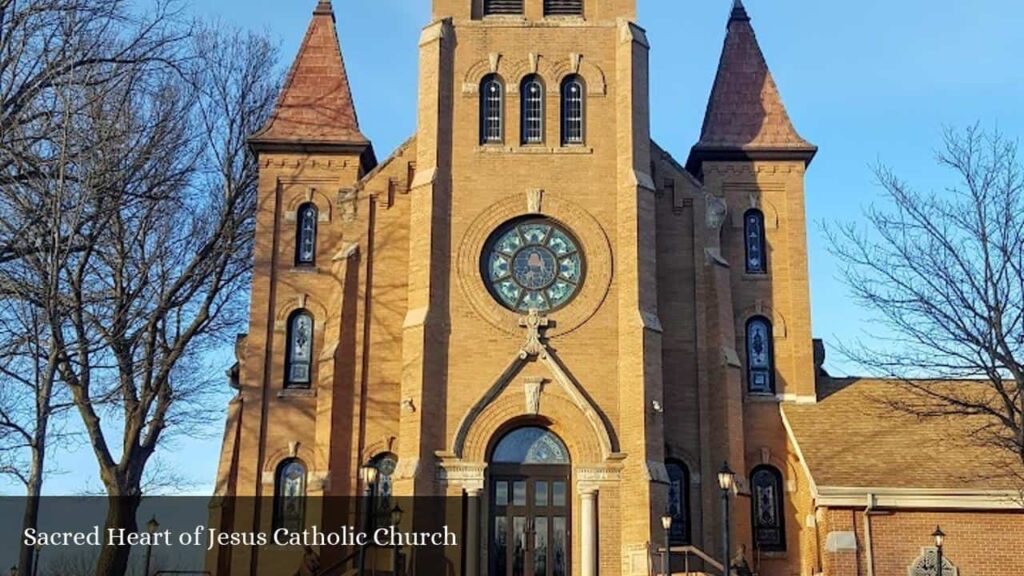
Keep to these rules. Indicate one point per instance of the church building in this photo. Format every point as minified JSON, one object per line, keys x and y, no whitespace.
{"x":535,"y":310}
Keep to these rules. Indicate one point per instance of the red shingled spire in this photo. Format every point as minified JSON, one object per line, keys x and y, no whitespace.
{"x":315,"y":107}
{"x":745,"y":116}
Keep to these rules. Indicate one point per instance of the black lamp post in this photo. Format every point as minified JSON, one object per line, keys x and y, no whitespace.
{"x":666,"y":558}
{"x":396,"y":520}
{"x":940,"y":537}
{"x":368,"y":474}
{"x":726,"y":481}
{"x":151,"y":527}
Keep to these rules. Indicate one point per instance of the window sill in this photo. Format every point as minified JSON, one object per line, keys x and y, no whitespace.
{"x":533,"y":149}
{"x":762,"y":398}
{"x":297,"y":393}
{"x":773,"y":555}
{"x":305,"y":269}
{"x":748,"y":277}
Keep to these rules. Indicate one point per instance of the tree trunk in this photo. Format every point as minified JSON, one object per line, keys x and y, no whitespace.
{"x":121,"y":512}
{"x":33,"y":491}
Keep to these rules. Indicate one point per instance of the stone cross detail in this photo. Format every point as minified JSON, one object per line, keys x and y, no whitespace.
{"x":534,"y":324}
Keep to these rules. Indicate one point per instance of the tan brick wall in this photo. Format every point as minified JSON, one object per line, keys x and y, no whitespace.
{"x":977,"y":543}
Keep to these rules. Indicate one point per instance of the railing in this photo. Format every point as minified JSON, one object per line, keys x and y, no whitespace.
{"x":691,"y":556}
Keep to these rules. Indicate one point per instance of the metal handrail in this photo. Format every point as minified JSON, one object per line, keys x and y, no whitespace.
{"x":686,"y":551}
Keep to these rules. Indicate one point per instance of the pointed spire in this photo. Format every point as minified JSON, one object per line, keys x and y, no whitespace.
{"x":315,"y":107}
{"x":739,"y":12}
{"x":746,"y":118}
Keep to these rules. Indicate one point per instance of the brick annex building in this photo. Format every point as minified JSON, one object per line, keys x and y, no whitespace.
{"x":533,"y":308}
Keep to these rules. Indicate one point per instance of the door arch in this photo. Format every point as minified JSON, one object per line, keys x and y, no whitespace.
{"x":530,"y":504}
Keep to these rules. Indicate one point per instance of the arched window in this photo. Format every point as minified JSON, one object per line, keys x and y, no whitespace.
{"x":290,"y":496}
{"x":305,"y":237}
{"x":760,"y":356}
{"x":299,"y":359}
{"x":753,"y":233}
{"x":530,"y":445}
{"x":563,"y":7}
{"x":492,"y":110}
{"x":679,"y":501}
{"x":767,"y":509}
{"x":572,"y":111}
{"x":532,"y":95}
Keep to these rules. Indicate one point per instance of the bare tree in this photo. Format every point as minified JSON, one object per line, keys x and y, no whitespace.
{"x":945,"y":274}
{"x":126,"y":217}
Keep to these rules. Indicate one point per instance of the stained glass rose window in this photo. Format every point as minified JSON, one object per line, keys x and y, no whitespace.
{"x":533,"y":264}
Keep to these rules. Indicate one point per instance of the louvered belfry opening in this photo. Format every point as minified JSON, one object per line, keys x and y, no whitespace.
{"x":492,"y":7}
{"x":563,"y":7}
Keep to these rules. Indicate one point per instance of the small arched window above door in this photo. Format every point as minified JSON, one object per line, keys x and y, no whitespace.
{"x":530,"y":445}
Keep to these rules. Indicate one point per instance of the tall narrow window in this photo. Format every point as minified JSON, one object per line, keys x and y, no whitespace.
{"x":572,"y":111}
{"x":767,"y":508}
{"x":753,"y":232}
{"x":760,"y":356}
{"x":679,"y":501}
{"x":492,"y":104}
{"x":532,"y":95}
{"x":298,"y":364}
{"x":563,"y":7}
{"x":305,"y":241}
{"x":290,"y":496}
{"x":496,"y":7}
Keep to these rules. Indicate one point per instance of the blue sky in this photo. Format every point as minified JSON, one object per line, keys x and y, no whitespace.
{"x":867,"y":81}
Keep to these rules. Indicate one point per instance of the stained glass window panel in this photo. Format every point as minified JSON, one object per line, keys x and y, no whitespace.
{"x":300,"y":349}
{"x":491,"y":110}
{"x":533,"y":264}
{"x":289,"y":496}
{"x":760,"y":361}
{"x":306,"y":238}
{"x":754,"y":238}
{"x":766,"y":491}
{"x":531,"y":445}
{"x":532,"y":94}
{"x":572,"y":111}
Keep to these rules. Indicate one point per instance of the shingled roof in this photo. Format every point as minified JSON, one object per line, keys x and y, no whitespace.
{"x":315,"y":106}
{"x":853,"y":439}
{"x":746,"y":118}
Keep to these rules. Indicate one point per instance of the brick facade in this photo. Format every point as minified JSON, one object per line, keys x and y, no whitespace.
{"x":414,"y":358}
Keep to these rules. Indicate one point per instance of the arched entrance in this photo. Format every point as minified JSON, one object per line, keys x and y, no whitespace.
{"x":530,"y":504}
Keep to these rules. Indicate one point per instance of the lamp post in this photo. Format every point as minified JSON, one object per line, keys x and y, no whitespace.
{"x":726,"y":481}
{"x":666,"y":558}
{"x":940,"y":537}
{"x":151,"y":527}
{"x":396,"y":519}
{"x":368,"y":474}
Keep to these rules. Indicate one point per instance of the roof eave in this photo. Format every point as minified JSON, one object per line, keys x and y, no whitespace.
{"x":706,"y":153}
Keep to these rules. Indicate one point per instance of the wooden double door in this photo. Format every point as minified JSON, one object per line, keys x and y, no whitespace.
{"x":530,"y":519}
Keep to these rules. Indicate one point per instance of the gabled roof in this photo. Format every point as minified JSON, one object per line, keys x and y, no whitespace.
{"x":853,"y":439}
{"x":746,"y":118}
{"x":315,"y":108}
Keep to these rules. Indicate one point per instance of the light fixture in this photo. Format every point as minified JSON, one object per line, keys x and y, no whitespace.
{"x":939,"y":536}
{"x":152,"y":525}
{"x":369,"y":475}
{"x":726,"y":478}
{"x":396,"y":515}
